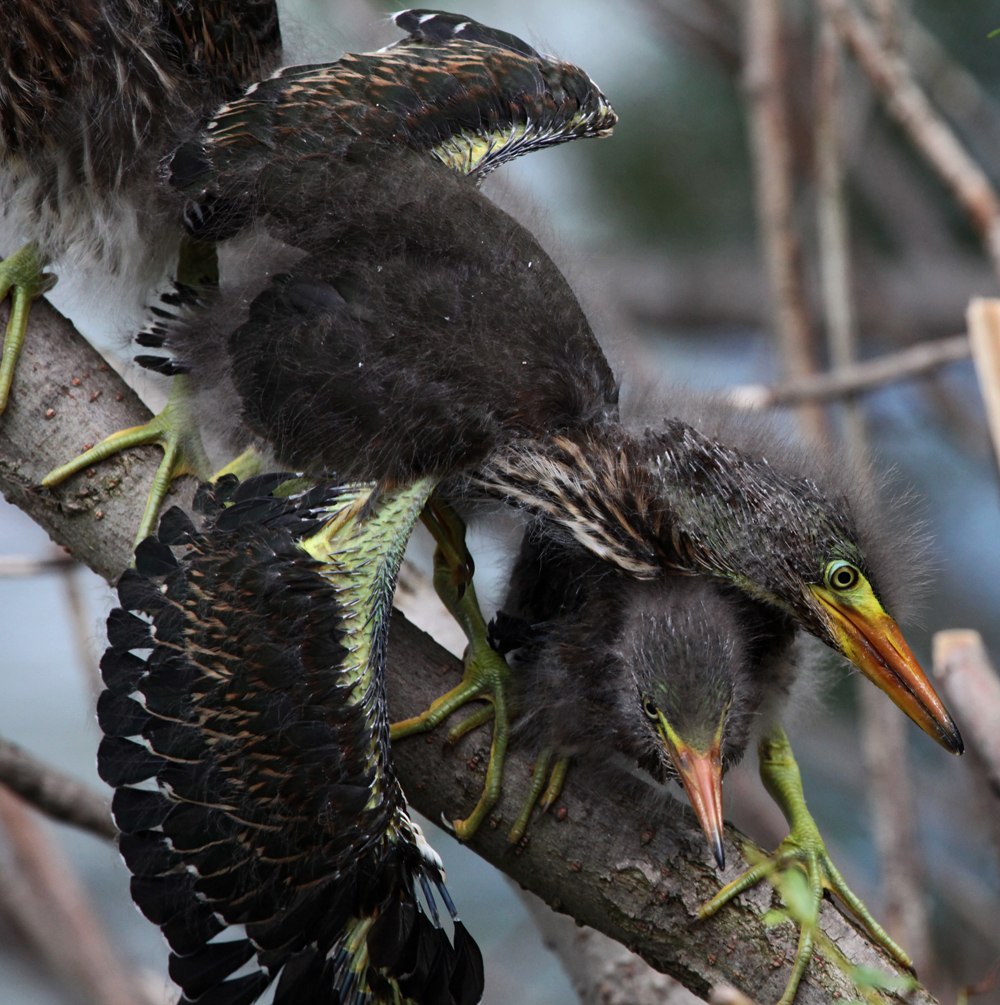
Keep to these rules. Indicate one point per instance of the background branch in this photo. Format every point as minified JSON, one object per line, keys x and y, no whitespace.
{"x":933,"y":137}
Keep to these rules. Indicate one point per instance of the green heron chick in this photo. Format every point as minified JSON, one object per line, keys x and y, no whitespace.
{"x":92,"y":97}
{"x":260,"y":714}
{"x":676,"y":673}
{"x":679,"y":675}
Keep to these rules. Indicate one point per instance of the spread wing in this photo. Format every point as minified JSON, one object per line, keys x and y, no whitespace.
{"x":246,"y":736}
{"x":468,"y":95}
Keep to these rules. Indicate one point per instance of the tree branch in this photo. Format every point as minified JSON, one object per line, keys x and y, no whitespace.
{"x":630,"y":863}
{"x":774,"y":195}
{"x":55,"y":793}
{"x":916,"y":361}
{"x":929,"y":132}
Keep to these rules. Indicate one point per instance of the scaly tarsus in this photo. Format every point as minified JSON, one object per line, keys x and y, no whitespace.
{"x":23,"y":276}
{"x":487,"y":676}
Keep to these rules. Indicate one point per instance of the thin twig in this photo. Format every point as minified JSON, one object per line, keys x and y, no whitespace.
{"x":53,"y":792}
{"x":916,"y":361}
{"x":907,"y":103}
{"x":18,"y":566}
{"x":969,"y":684}
{"x":834,"y":240}
{"x":764,"y":82}
{"x":80,"y":622}
{"x":44,"y":899}
{"x":972,"y":689}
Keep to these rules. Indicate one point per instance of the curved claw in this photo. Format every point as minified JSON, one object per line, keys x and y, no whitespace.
{"x":174,"y":429}
{"x":803,"y":849}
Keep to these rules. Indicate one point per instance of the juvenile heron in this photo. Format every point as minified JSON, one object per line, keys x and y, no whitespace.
{"x":260,"y":713}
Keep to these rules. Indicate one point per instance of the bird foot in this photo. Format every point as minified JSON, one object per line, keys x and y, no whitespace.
{"x":535,"y":789}
{"x":22,"y":275}
{"x":175,"y":429}
{"x":802,"y":853}
{"x":487,"y":678}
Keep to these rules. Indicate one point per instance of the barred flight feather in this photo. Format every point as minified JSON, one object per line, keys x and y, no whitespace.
{"x":260,"y":713}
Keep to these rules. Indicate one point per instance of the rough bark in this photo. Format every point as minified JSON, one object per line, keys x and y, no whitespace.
{"x":630,"y":862}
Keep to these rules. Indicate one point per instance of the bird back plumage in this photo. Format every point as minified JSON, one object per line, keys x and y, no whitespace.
{"x":423,"y":327}
{"x":259,"y":713}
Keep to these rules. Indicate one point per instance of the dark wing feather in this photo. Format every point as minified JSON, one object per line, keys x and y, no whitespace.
{"x":472,"y":98}
{"x":272,"y":811}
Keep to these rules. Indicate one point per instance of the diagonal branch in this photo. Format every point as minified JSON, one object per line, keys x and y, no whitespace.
{"x":929,"y":132}
{"x":628,"y":862}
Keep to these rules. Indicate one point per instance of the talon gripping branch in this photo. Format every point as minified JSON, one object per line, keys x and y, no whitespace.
{"x":246,"y":736}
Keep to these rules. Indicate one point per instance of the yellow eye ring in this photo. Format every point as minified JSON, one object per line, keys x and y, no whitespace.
{"x":841,"y":576}
{"x":650,"y":709}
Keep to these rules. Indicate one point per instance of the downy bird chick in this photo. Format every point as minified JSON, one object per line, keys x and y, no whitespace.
{"x":678,"y":674}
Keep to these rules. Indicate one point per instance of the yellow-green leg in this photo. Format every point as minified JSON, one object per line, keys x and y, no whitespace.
{"x":487,"y":676}
{"x":248,"y":464}
{"x":803,"y":848}
{"x":548,"y":797}
{"x":23,"y":276}
{"x":175,"y":429}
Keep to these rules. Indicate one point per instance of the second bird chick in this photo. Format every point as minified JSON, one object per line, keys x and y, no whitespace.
{"x":678,"y":674}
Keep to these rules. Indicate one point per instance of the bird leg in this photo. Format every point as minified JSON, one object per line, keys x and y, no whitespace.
{"x":248,"y":464}
{"x":548,"y":797}
{"x":804,"y":849}
{"x":22,"y":275}
{"x":175,"y":429}
{"x":487,"y":676}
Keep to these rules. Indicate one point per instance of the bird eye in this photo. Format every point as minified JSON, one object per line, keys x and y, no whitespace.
{"x":842,"y":576}
{"x":650,"y":709}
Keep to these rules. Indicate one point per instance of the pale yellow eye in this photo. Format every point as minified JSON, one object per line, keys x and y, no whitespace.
{"x":842,"y":575}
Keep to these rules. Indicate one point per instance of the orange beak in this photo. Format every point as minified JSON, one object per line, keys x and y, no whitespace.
{"x":873,"y":642}
{"x":701,"y":776}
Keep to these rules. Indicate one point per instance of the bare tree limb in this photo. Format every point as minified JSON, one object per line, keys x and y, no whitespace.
{"x":774,"y":194}
{"x":916,"y":361}
{"x":907,"y":103}
{"x":834,"y":239}
{"x":55,"y":793}
{"x":42,"y":897}
{"x":637,"y":875}
{"x":603,"y":971}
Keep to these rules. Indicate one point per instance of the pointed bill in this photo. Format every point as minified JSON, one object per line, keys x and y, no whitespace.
{"x":701,"y":775}
{"x":873,"y":642}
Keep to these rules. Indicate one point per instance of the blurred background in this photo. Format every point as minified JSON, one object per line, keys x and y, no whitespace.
{"x":660,"y":230}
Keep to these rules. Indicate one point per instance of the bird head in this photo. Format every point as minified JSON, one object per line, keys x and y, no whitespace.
{"x":813,"y":552}
{"x":698,"y":659}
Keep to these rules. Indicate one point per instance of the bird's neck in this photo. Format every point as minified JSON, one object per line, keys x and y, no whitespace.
{"x":647,"y":502}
